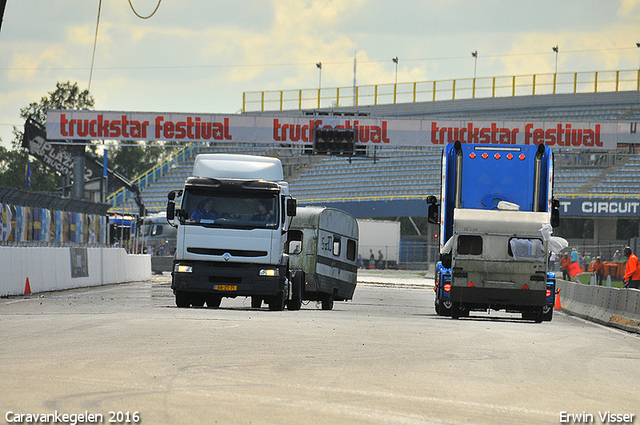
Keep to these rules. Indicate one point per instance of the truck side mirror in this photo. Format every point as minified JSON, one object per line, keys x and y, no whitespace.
{"x":433,"y":210}
{"x":171,"y":206}
{"x":292,"y":205}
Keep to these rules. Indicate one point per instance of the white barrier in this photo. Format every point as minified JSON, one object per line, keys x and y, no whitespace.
{"x":51,"y":269}
{"x":610,"y":306}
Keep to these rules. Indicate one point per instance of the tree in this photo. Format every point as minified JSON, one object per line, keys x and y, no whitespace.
{"x":13,"y":162}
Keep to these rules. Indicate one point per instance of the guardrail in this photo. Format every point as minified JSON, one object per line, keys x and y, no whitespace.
{"x":615,"y":307}
{"x":461,"y":88}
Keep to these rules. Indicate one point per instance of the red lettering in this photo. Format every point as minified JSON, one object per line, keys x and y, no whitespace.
{"x":168,"y":129}
{"x":189,"y":128}
{"x":63,"y":125}
{"x":115,"y":129}
{"x":550,"y":137}
{"x":103,"y":127}
{"x":83,"y":128}
{"x":276,"y":130}
{"x":527,"y":133}
{"x":181,"y":131}
{"x":125,"y":123}
{"x":227,"y":135}
{"x":434,"y":134}
{"x":385,"y":139}
{"x":159,"y":120}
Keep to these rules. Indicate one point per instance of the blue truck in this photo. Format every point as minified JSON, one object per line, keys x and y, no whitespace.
{"x":496,"y":212}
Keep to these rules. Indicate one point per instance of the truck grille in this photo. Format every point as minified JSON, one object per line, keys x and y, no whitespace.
{"x":232,"y":252}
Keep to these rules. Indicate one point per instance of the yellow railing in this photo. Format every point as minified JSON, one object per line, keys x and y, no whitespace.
{"x":424,"y":91}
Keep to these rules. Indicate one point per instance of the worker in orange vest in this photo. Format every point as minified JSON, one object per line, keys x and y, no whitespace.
{"x":631,"y":270}
{"x":598,"y":269}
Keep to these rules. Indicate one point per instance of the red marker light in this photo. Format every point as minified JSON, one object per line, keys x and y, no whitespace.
{"x":525,"y":286}
{"x":447,"y":287}
{"x":485,"y":156}
{"x":548,"y":293}
{"x":496,"y":156}
{"x":521,"y":157}
{"x":471,"y":285}
{"x":509,"y":157}
{"x":472,"y":155}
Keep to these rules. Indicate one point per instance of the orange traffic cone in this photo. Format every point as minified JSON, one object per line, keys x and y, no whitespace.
{"x":557,"y":305}
{"x":27,"y":288}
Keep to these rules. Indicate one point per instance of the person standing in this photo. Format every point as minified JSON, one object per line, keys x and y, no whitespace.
{"x":631,"y":270}
{"x":598,"y":269}
{"x":564,"y":264}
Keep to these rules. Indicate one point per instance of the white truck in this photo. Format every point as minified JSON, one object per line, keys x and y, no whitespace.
{"x":322,"y":247}
{"x":233,"y":216}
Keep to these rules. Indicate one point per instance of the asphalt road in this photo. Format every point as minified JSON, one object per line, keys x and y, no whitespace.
{"x":383,"y":358}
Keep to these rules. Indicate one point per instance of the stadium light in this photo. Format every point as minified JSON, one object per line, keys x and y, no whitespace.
{"x":555,"y":49}
{"x":319,"y":66}
{"x":475,"y":66}
{"x":395,"y":60}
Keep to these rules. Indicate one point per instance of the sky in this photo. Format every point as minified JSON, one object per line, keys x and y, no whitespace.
{"x":199,"y":56}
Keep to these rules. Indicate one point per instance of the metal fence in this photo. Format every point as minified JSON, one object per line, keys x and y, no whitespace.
{"x":424,"y":91}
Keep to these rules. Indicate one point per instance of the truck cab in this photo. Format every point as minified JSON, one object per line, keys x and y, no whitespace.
{"x":232,"y":216}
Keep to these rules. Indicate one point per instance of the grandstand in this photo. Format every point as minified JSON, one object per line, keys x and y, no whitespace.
{"x":400,"y":173}
{"x":393,"y":181}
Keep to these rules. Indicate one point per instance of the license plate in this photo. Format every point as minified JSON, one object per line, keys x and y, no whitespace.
{"x":225,"y":287}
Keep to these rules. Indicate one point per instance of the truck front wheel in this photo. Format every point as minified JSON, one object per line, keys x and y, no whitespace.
{"x":296,"y":291}
{"x":183,"y":299}
{"x":276,"y":303}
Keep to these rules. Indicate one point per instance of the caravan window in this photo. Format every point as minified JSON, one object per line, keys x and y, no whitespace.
{"x":156,"y":230}
{"x":351,"y":250}
{"x":532,"y":249}
{"x":469,"y":245}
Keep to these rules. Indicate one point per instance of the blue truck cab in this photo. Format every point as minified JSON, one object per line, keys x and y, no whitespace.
{"x":495,"y":211}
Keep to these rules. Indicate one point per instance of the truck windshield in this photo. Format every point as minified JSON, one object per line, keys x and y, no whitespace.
{"x":242,"y":209}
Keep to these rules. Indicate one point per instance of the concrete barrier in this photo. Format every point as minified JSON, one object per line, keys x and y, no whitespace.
{"x":609,"y":306}
{"x":52,"y":269}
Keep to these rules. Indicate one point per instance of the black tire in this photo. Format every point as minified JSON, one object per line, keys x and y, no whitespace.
{"x":296,"y":291}
{"x":213,"y":301}
{"x":327,"y":301}
{"x":277,"y":302}
{"x":455,"y":311}
{"x":183,"y":299}
{"x":256,"y":302}
{"x":547,"y":313}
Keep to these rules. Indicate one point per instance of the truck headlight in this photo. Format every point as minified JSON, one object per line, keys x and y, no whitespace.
{"x":269,"y":272}
{"x":181,"y":268}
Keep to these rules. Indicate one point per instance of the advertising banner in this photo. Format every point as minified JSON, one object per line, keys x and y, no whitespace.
{"x":604,"y":207}
{"x":182,"y":127}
